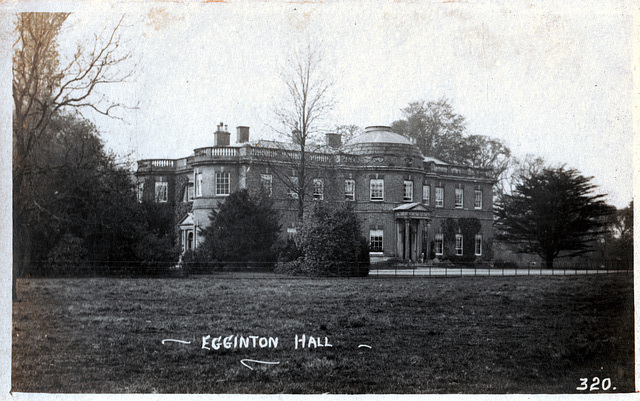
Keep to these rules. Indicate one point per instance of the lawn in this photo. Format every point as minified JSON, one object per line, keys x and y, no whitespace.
{"x":426,"y":335}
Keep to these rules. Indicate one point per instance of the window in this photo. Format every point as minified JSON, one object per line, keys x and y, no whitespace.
{"x":161,"y":191}
{"x":459,"y":244}
{"x":375,"y":237}
{"x":408,"y":191}
{"x":426,"y":194}
{"x":292,"y":191}
{"x":376,"y":186}
{"x":439,"y":197}
{"x":140,"y":191}
{"x":478,"y":245}
{"x":223,"y":184}
{"x":187,"y":196}
{"x":198,"y":182}
{"x":266,"y":181}
{"x":477,"y":199}
{"x":318,"y":189}
{"x":349,"y":190}
{"x":439,"y":244}
{"x":459,"y":198}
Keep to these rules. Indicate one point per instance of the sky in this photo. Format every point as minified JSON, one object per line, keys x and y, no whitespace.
{"x":552,"y":79}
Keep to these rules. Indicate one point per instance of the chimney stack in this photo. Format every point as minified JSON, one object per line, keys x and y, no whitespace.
{"x":221,"y":137}
{"x":242,"y":135}
{"x":333,"y":140}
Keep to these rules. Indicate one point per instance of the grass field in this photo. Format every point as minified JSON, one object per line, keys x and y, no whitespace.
{"x":454,"y":335}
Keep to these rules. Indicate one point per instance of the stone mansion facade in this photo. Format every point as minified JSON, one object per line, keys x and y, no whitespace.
{"x":411,"y":207}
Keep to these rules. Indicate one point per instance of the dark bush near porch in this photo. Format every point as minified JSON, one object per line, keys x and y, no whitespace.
{"x":199,"y":261}
{"x":329,"y":243}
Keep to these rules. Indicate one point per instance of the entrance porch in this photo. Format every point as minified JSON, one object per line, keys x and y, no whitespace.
{"x":412,"y":222}
{"x":188,"y":232}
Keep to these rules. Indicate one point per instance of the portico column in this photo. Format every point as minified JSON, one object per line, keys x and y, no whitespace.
{"x":407,"y":239}
{"x":195,"y":235}
{"x":419,"y":230}
{"x":399,"y":242}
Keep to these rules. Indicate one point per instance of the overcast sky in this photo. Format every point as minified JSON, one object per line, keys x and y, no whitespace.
{"x":551,"y":80}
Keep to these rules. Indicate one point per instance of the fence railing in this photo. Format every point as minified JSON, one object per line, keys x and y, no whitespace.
{"x":466,"y":270}
{"x":459,"y":171}
{"x":156,"y":163}
{"x":288,"y":155}
{"x":268,"y":270}
{"x":213,"y":151}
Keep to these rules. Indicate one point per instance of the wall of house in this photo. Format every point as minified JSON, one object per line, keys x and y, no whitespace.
{"x":375,"y":215}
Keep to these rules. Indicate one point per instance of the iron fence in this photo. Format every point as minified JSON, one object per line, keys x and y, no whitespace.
{"x":497,"y":269}
{"x":142,"y":269}
{"x":129,"y":269}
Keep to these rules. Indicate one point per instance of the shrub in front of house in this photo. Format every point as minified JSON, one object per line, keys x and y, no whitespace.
{"x":67,"y":257}
{"x":199,"y":261}
{"x":330,"y":243}
{"x":157,"y":255}
{"x":244,"y":231}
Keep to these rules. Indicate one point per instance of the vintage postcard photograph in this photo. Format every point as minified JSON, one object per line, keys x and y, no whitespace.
{"x":323,"y":198}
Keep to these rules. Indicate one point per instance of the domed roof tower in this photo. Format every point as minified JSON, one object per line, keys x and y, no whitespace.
{"x":379,"y":140}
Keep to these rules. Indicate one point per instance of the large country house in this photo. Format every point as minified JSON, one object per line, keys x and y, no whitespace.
{"x":411,"y":207}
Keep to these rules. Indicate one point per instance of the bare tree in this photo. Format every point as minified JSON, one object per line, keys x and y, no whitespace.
{"x":348,"y":132}
{"x":513,"y":172}
{"x":308,"y":100}
{"x":42,"y":89}
{"x":484,"y":152}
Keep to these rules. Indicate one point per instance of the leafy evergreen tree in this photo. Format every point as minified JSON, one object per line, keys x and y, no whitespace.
{"x":616,"y":246}
{"x":552,"y":212}
{"x":244,"y":229}
{"x":155,"y":241}
{"x":80,"y":205}
{"x":331,"y":242}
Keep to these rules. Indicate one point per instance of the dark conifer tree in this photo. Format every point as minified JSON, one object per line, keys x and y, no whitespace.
{"x":244,"y":229}
{"x":553,"y":213}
